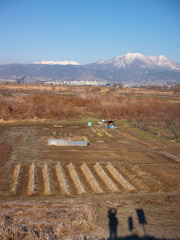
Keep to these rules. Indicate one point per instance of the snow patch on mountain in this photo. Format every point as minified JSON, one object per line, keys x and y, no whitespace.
{"x":145,"y":61}
{"x":57,"y":62}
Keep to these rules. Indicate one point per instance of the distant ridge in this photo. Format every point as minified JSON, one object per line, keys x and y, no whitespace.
{"x":131,"y":68}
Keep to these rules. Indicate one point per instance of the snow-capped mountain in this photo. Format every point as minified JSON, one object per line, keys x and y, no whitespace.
{"x":141,"y":61}
{"x":57,"y":62}
{"x":131,"y":68}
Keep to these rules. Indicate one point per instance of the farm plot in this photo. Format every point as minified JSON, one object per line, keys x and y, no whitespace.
{"x":73,"y":180}
{"x":114,"y":164}
{"x":101,"y":132}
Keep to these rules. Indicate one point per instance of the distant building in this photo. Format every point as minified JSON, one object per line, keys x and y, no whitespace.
{"x":78,"y":83}
{"x":88,"y":83}
{"x":54,"y":83}
{"x":7,"y":80}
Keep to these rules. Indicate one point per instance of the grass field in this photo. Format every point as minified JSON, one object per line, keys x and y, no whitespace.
{"x":50,"y":192}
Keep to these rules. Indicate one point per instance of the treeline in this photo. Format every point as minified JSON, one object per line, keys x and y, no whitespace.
{"x":142,"y":112}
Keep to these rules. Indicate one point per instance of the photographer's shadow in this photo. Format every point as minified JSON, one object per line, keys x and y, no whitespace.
{"x":113,"y":222}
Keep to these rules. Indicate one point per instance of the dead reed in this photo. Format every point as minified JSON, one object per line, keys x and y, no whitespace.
{"x":62,"y":180}
{"x":105,"y":178}
{"x":47,"y":182}
{"x":91,"y":179}
{"x":78,"y":225}
{"x":16,"y":178}
{"x":76,"y":180}
{"x":45,"y":220}
{"x":32,"y":180}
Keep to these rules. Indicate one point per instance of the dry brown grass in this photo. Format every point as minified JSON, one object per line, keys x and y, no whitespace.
{"x":68,"y":220}
{"x":91,"y":179}
{"x":140,"y":185}
{"x":16,"y":177}
{"x":106,"y":179}
{"x":47,"y":182}
{"x":62,"y":180}
{"x":76,"y":180}
{"x":148,"y":178}
{"x":126,"y":185}
{"x":78,"y":226}
{"x":32,"y":180}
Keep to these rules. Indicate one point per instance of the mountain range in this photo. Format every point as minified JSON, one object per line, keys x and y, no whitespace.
{"x":131,"y":68}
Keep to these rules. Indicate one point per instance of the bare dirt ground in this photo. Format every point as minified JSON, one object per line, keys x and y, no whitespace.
{"x":120,"y":169}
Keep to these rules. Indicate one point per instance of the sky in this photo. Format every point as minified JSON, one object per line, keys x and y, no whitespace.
{"x":87,"y":31}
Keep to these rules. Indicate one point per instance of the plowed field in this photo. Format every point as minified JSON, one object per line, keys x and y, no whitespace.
{"x":114,"y":170}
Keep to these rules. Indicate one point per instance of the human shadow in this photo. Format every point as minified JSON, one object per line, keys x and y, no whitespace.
{"x":113,"y":222}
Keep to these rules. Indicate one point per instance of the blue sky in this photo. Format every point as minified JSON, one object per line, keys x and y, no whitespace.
{"x":87,"y":30}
